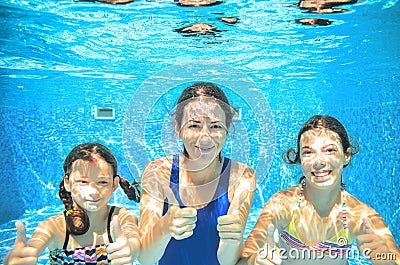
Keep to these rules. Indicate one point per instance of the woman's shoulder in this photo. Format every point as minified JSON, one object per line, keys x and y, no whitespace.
{"x":159,"y":163}
{"x":160,"y":167}
{"x":242,"y":168}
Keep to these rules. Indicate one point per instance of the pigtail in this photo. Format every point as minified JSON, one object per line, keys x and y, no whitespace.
{"x":131,"y":190}
{"x":77,"y":220}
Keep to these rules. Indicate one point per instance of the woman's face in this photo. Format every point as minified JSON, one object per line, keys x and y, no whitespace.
{"x":91,"y":184}
{"x":203,"y":130}
{"x":322,"y":157}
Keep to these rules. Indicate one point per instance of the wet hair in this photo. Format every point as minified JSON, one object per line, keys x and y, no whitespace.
{"x":205,"y":89}
{"x":76,"y":218}
{"x":350,"y":146}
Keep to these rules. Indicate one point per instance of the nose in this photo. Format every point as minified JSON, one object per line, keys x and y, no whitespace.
{"x":319,"y":164}
{"x":92,"y":190}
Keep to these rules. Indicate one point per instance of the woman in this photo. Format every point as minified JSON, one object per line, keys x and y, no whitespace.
{"x":194,"y":205}
{"x":317,"y":221}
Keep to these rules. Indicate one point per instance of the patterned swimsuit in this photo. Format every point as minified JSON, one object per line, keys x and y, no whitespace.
{"x":86,"y":255}
{"x":339,"y":244}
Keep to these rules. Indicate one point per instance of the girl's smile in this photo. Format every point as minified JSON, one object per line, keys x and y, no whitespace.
{"x":322,"y":157}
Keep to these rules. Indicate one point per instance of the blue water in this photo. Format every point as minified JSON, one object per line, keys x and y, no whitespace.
{"x":59,"y":59}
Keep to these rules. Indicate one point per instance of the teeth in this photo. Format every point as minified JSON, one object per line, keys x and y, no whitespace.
{"x":322,"y":174}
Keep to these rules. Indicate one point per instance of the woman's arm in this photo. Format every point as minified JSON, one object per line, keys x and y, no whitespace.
{"x":156,"y":230}
{"x":231,"y":226}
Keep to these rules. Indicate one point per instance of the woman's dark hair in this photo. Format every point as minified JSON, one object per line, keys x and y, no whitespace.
{"x":204,"y":89}
{"x":350,"y":146}
{"x":76,"y":218}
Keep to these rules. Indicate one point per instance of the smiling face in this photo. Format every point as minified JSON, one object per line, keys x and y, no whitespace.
{"x":91,"y":184}
{"x":322,"y":158}
{"x":203,"y":130}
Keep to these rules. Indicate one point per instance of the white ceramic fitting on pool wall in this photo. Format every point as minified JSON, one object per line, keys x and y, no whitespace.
{"x":103,"y":113}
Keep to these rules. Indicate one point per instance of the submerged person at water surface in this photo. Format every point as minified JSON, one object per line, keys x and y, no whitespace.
{"x":324,"y":6}
{"x":113,"y":2}
{"x":89,"y":231}
{"x":317,"y":221}
{"x":195,"y":204}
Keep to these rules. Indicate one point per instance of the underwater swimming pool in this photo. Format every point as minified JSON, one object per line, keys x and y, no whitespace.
{"x":60,"y":59}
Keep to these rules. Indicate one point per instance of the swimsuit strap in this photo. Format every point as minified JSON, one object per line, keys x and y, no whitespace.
{"x":67,"y":233}
{"x":109,"y":222}
{"x":223,"y":183}
{"x":174,"y":179}
{"x":344,"y":209}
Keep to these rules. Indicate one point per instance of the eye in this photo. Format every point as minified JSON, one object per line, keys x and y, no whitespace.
{"x":331,"y":150}
{"x":81,"y":181}
{"x":217,"y":126}
{"x":103,"y":182}
{"x":193,"y":126}
{"x":306,"y":152}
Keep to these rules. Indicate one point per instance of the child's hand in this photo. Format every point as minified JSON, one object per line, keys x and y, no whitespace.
{"x":120,"y":252}
{"x":230,"y":226}
{"x":372,"y":245}
{"x":267,"y":255}
{"x":21,"y":253}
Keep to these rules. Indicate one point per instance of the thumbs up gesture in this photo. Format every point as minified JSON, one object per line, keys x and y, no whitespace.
{"x":120,"y":252}
{"x":371,"y":244}
{"x":230,"y":226}
{"x":267,"y":255}
{"x":182,"y":221}
{"x":21,"y":253}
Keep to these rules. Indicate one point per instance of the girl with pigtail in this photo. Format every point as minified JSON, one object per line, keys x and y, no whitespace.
{"x":90,"y":230}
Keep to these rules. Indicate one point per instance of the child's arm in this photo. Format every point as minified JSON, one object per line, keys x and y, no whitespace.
{"x":24,"y":252}
{"x":126,"y":234}
{"x":259,"y":247}
{"x":375,"y":240}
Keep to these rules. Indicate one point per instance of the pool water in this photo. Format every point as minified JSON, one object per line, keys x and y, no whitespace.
{"x":60,"y":59}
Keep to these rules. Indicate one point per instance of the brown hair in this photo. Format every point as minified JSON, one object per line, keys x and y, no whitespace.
{"x":77,"y":219}
{"x":350,"y":146}
{"x":205,"y":89}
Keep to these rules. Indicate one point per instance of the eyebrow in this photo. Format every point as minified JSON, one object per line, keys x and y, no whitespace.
{"x":194,"y":120}
{"x":325,"y":146}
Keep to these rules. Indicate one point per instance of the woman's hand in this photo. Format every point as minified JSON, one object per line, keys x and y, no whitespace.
{"x":182,"y":221}
{"x":230,"y":226}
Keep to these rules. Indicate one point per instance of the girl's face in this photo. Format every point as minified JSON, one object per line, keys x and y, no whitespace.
{"x":322,"y":157}
{"x":91,"y":184}
{"x":203,"y":130}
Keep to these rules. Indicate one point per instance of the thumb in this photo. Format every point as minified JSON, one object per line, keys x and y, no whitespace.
{"x":269,"y":251}
{"x":117,"y":229}
{"x":367,"y":225}
{"x":21,"y":234}
{"x":270,"y":235}
{"x":238,"y":201}
{"x":170,"y":197}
